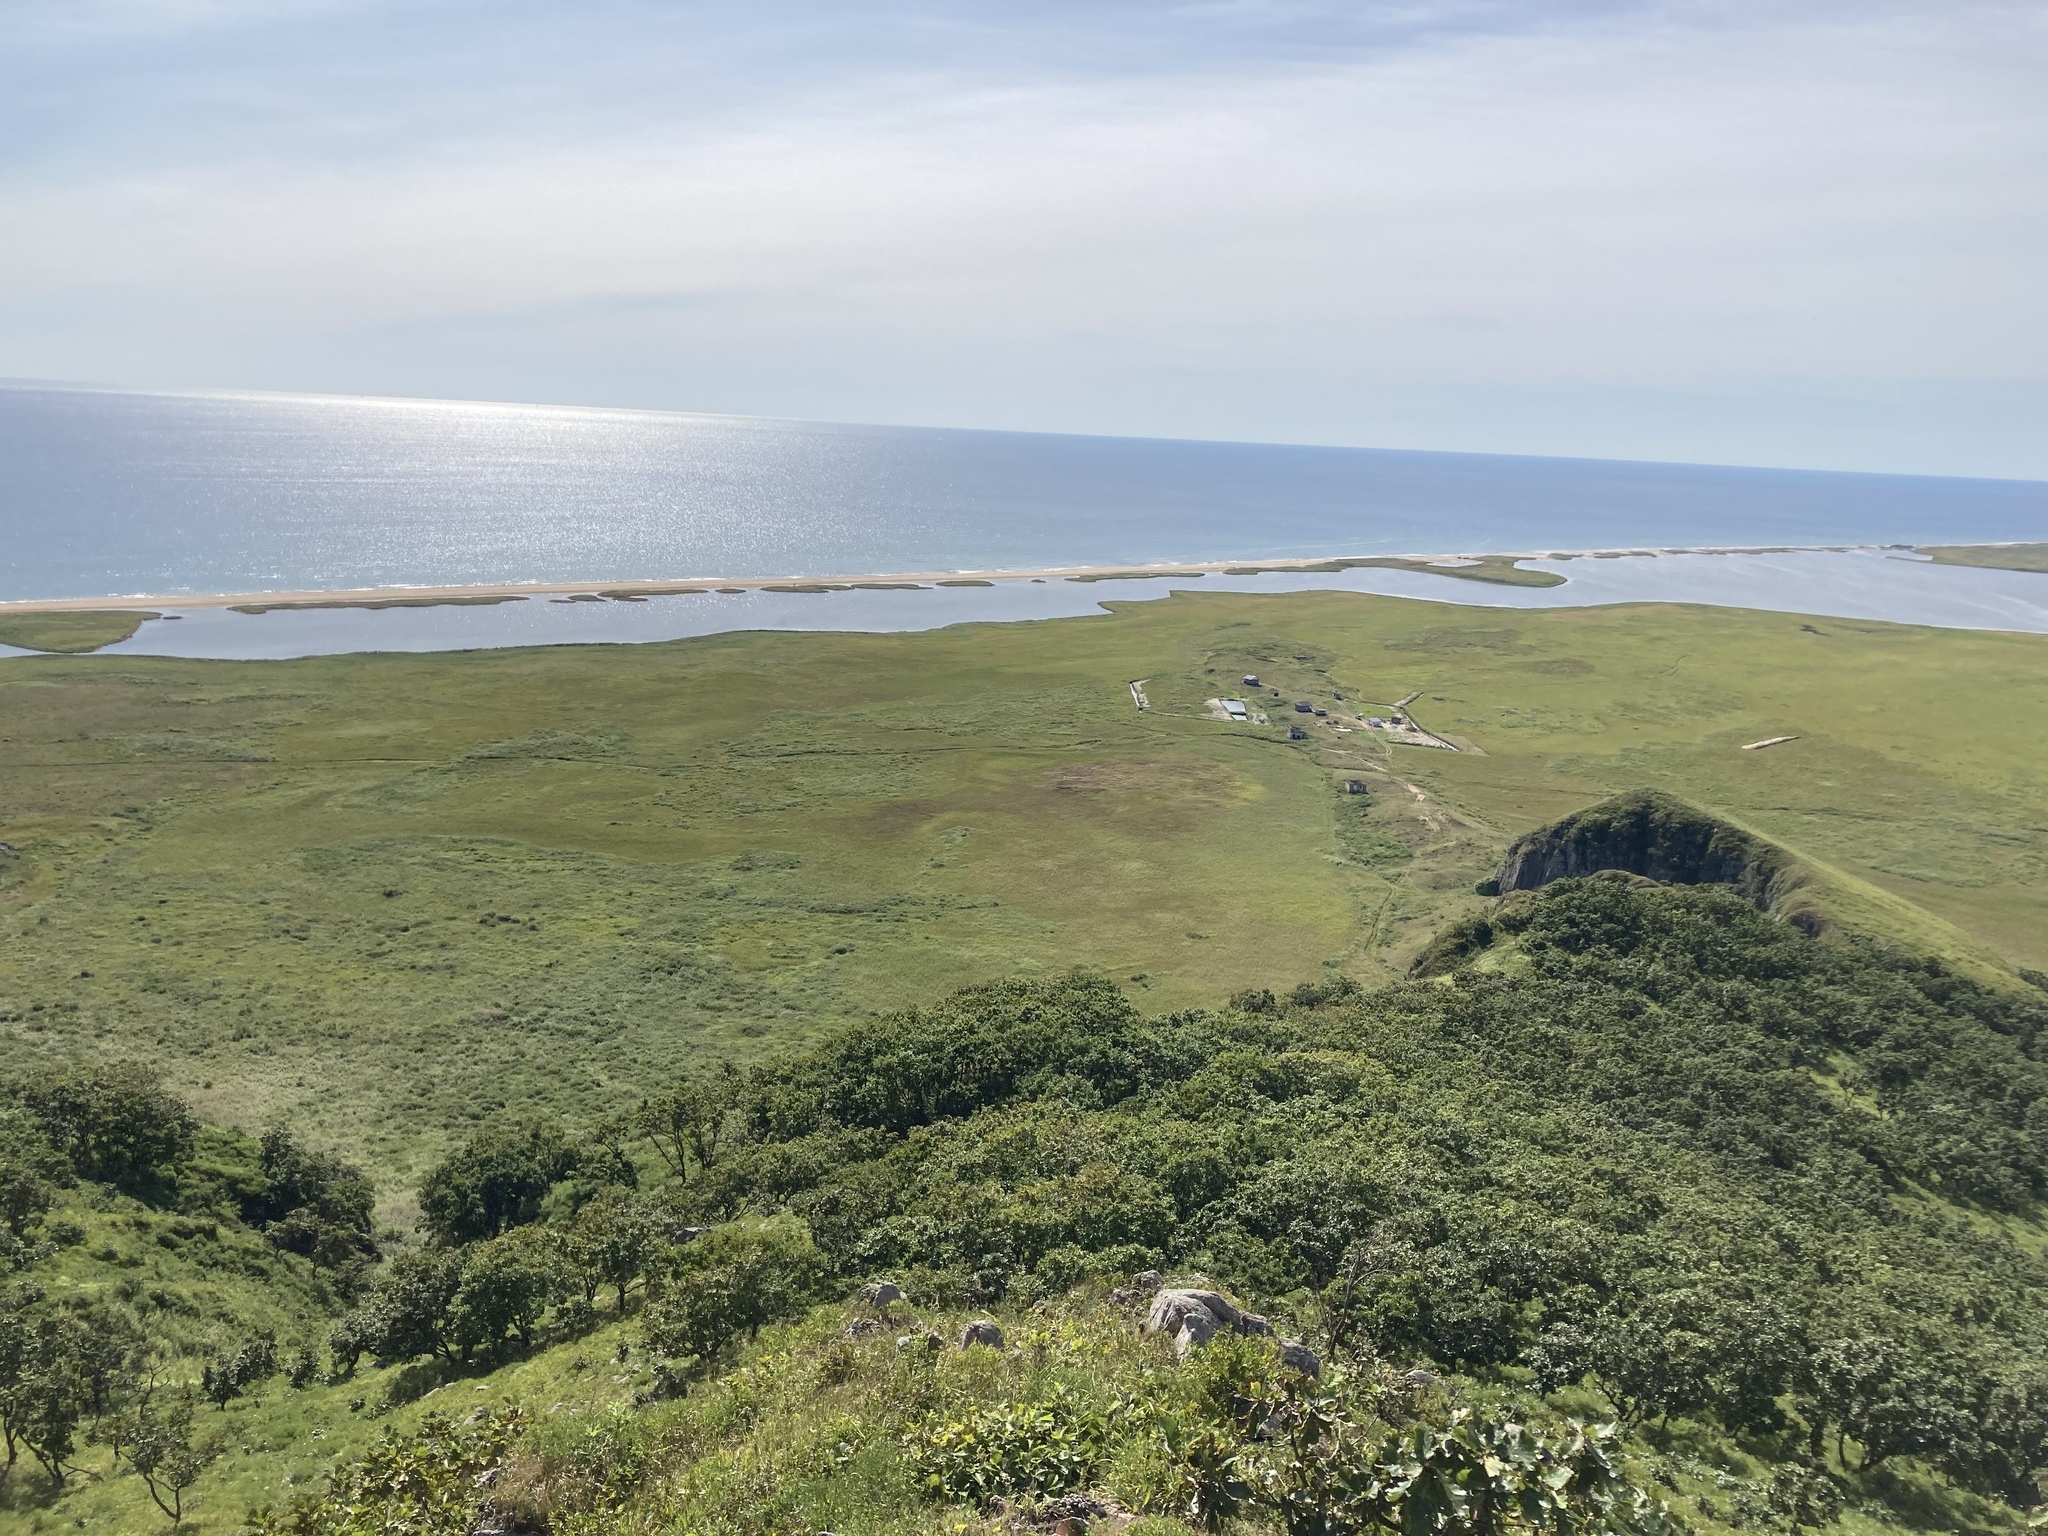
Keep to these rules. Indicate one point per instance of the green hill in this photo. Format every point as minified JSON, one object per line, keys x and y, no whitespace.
{"x":1625,"y":1153}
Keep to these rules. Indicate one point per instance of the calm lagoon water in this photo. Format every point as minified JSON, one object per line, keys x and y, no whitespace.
{"x":1859,"y":585}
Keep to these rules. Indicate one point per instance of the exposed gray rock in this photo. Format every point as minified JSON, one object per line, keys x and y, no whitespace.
{"x":879,"y":1293}
{"x":1168,"y":1307}
{"x":1191,"y":1318}
{"x":1297,"y":1356}
{"x":981,"y":1331}
{"x":1147,"y":1281}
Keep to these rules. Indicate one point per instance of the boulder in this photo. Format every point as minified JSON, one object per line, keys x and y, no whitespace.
{"x":1171,"y":1308}
{"x":981,"y":1331}
{"x":1192,"y":1318}
{"x":1147,"y":1281}
{"x":1251,"y":1323}
{"x":1297,"y":1356}
{"x":879,"y":1293}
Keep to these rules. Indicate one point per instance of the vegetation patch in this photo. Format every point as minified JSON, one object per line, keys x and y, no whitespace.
{"x":72,"y":632}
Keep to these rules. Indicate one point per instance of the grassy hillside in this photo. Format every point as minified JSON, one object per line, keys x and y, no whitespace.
{"x":385,"y":895}
{"x":1766,"y":1207}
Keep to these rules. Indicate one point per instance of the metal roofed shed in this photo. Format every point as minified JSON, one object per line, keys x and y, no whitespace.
{"x":1304,"y":707}
{"x":1251,"y":680}
{"x":1234,"y":708}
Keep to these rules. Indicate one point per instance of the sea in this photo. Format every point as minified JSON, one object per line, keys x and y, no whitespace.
{"x":108,"y":492}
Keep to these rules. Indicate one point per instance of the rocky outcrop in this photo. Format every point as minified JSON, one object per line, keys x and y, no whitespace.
{"x":1654,"y":836}
{"x":981,"y":1332}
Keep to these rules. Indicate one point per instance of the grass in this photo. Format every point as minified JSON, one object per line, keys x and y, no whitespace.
{"x":2001,"y":557}
{"x":805,"y":1429}
{"x":70,"y":633}
{"x":386,"y":895}
{"x":449,"y":600}
{"x":1501,"y":570}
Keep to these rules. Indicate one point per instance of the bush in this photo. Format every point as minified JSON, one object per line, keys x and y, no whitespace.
{"x":432,"y":1482}
{"x":1009,"y":1450}
{"x":496,"y":1181}
{"x":115,"y":1124}
{"x":728,"y":1283}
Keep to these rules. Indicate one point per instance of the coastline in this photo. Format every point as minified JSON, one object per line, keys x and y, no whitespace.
{"x":1449,"y":565}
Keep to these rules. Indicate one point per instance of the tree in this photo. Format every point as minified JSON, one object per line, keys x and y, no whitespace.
{"x":507,"y":1283}
{"x":689,"y":1122}
{"x":229,"y":1373}
{"x":43,"y":1396}
{"x":161,"y":1449}
{"x":406,"y":1315}
{"x":30,"y":1171}
{"x":116,"y":1123}
{"x":729,"y":1282}
{"x":313,"y":1203}
{"x":610,"y":1243}
{"x":497,"y":1180}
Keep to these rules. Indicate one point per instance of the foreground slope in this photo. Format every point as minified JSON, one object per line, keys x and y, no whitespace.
{"x":1770,"y":1203}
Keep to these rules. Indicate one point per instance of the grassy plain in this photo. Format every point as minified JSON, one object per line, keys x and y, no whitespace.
{"x":2001,"y":557}
{"x":70,"y":632}
{"x":386,"y":895}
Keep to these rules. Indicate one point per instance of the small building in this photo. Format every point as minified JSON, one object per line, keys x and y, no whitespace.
{"x":1303,"y":707}
{"x":1296,"y":733}
{"x":1234,"y":708}
{"x":1375,"y":722}
{"x":1251,"y":680}
{"x":1354,"y":786}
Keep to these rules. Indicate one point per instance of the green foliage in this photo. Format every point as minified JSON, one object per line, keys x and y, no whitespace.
{"x":231,"y":1372}
{"x":687,"y":1124}
{"x":313,"y":1203}
{"x":116,"y":1124}
{"x":728,"y":1283}
{"x":507,"y":1283}
{"x":31,"y":1171}
{"x":431,"y":1482}
{"x":161,"y":1449}
{"x":496,"y":1180}
{"x":1009,"y":1450}
{"x":611,"y":1241}
{"x":1335,"y":1473}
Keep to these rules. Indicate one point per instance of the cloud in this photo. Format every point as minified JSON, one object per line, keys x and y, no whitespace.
{"x":1287,"y":237}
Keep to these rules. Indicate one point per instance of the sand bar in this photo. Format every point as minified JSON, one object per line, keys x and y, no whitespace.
{"x":422,"y":596}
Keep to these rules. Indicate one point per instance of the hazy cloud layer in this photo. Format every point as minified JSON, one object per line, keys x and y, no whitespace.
{"x":1788,"y":233}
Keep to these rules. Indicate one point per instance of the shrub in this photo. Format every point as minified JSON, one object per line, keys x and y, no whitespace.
{"x":497,"y":1180}
{"x":1009,"y":1450}
{"x":730,"y":1282}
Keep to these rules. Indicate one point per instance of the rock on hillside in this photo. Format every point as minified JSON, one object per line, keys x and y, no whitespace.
{"x":1658,"y":837}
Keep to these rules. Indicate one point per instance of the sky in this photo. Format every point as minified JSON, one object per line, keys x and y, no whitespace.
{"x":1791,"y":233}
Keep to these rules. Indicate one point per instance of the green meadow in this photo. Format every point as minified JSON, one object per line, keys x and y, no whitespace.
{"x":384,"y":897}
